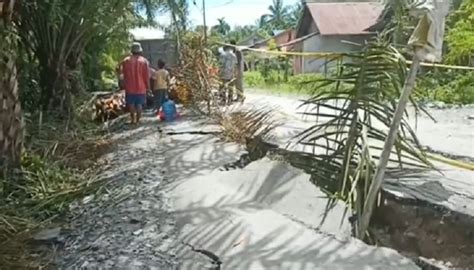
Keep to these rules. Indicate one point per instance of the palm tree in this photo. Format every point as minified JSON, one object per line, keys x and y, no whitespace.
{"x":59,"y":40}
{"x":11,"y":130}
{"x":262,"y":22}
{"x":278,"y":16}
{"x":222,"y":27}
{"x":353,"y":111}
{"x":179,"y":11}
{"x":296,"y":12}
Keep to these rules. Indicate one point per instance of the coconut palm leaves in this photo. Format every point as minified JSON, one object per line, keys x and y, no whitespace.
{"x":353,"y":111}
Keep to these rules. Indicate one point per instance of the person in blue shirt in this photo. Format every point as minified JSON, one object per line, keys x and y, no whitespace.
{"x":168,"y":111}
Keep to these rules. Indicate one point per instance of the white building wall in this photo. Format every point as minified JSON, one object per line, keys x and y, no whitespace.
{"x":329,"y":44}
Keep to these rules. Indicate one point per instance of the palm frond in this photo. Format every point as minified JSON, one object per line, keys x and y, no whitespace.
{"x":348,"y":136}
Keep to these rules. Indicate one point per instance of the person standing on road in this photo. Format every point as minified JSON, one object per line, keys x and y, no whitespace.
{"x":160,"y":90}
{"x":135,"y":70}
{"x":239,"y":72}
{"x":228,"y":62}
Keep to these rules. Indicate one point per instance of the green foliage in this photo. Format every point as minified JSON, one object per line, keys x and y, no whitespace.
{"x":57,"y":168}
{"x":451,"y":87}
{"x":298,"y":84}
{"x":253,"y":79}
{"x":222,"y":28}
{"x":460,"y":36}
{"x":66,"y":39}
{"x":28,"y":82}
{"x":278,"y":17}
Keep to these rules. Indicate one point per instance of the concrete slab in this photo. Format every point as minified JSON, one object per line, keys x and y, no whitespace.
{"x":191,"y":124}
{"x":452,"y":188}
{"x":452,"y":132}
{"x":268,"y":216}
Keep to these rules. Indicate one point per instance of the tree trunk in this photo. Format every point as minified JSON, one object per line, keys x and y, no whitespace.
{"x":56,"y":98}
{"x":11,"y":124}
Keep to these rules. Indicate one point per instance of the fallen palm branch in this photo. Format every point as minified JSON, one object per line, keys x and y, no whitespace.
{"x":238,"y":126}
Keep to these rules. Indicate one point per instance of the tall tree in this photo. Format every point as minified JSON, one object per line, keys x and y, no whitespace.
{"x":278,"y":16}
{"x":11,"y":129}
{"x":222,"y":27}
{"x":295,"y":14}
{"x":58,"y":33}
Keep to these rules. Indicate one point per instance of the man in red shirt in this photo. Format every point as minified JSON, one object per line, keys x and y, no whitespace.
{"x":135,"y":70}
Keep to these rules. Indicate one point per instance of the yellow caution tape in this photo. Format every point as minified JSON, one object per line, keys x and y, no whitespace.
{"x":452,"y":162}
{"x":456,"y":163}
{"x":337,"y":55}
{"x":424,"y":64}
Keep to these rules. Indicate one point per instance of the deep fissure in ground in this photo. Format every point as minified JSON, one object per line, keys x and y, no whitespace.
{"x":431,"y":235}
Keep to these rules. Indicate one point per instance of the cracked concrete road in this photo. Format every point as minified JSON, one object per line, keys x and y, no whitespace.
{"x":167,"y":191}
{"x":453,"y":133}
{"x":265,"y":216}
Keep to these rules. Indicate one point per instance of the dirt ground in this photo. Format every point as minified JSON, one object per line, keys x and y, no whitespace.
{"x":419,"y":230}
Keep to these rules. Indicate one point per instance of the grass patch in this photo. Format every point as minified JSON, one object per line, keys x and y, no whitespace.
{"x":450,"y":87}
{"x":301,"y":84}
{"x":58,"y":167}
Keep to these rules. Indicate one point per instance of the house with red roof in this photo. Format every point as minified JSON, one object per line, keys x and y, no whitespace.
{"x":332,"y":28}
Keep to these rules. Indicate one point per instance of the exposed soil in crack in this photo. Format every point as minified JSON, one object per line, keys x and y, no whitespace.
{"x":172,"y":133}
{"x":419,"y":230}
{"x":257,"y":149}
{"x":433,"y":236}
{"x":215,"y":260}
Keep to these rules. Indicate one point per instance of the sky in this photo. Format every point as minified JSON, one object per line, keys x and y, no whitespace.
{"x":235,"y":12}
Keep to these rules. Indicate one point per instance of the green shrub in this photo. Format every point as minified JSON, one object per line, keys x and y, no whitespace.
{"x":451,"y":87}
{"x":301,"y":83}
{"x":253,"y":79}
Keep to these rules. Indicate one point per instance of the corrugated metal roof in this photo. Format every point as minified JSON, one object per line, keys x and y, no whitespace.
{"x":283,"y":32}
{"x":344,"y":18}
{"x":277,"y":32}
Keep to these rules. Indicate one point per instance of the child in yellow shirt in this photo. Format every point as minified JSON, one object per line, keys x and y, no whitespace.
{"x":160,"y":91}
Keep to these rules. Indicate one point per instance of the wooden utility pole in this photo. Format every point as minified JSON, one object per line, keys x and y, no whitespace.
{"x":363,"y":224}
{"x":204,"y":20}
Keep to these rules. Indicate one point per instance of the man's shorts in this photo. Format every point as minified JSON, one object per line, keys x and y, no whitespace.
{"x":135,"y":99}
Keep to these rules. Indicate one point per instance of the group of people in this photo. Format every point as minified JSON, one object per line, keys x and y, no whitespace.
{"x":137,"y":78}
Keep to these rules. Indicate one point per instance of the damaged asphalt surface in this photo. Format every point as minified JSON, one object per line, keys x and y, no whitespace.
{"x":171,"y":205}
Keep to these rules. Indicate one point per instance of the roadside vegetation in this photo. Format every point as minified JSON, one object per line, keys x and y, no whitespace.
{"x":456,"y":88}
{"x":53,"y":55}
